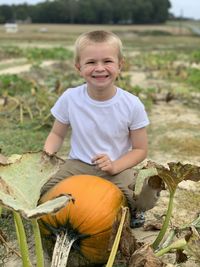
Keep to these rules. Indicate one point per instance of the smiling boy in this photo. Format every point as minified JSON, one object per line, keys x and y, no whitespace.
{"x":108,"y":123}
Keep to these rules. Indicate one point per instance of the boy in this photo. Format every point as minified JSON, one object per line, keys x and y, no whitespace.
{"x":108,"y":124}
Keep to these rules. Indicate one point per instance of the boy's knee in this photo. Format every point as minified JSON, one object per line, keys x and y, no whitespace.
{"x":149,"y":194}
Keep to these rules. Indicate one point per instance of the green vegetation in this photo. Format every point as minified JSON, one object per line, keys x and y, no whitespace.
{"x":170,"y":65}
{"x":89,"y":12}
{"x":196,"y":56}
{"x":57,"y":53}
{"x":17,"y":139}
{"x":156,"y":60}
{"x":26,"y":98}
{"x":14,"y":85}
{"x":193,"y":77}
{"x":35,"y":53}
{"x":8,"y":52}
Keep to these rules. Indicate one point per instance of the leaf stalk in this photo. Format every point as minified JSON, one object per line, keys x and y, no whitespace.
{"x":165,"y":225}
{"x":21,"y":236}
{"x":38,"y":243}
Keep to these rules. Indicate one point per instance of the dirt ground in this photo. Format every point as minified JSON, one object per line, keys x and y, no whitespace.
{"x":187,"y":197}
{"x":168,"y":120}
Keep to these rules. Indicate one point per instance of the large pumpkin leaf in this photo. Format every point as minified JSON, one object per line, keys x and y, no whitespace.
{"x":144,"y":174}
{"x":21,"y":180}
{"x":172,"y":176}
{"x":176,"y":173}
{"x":147,"y":188}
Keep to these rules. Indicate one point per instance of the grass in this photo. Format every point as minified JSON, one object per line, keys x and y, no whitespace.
{"x":17,"y":140}
{"x":174,"y":139}
{"x":185,"y":127}
{"x":35,"y":53}
{"x":187,"y":146}
{"x":180,"y":140}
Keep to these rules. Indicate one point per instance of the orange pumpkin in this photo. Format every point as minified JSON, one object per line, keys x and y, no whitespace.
{"x":91,"y":216}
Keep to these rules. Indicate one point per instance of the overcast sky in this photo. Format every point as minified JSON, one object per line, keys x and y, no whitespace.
{"x":185,"y":8}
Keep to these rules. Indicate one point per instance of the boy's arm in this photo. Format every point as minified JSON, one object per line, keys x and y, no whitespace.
{"x":56,"y":137}
{"x":130,"y":159}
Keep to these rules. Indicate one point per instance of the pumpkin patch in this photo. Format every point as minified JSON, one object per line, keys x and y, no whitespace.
{"x":89,"y":218}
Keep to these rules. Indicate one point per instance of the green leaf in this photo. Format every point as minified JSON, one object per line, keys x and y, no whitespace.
{"x":22,"y":180}
{"x":142,"y":176}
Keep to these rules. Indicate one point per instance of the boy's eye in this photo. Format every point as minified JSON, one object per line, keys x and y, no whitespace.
{"x":90,"y":62}
{"x":108,"y":61}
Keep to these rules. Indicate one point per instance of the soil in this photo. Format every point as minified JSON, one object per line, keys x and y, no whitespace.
{"x":21,"y":68}
{"x":168,"y":120}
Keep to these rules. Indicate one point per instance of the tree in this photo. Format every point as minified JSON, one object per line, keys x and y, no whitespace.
{"x":142,"y":11}
{"x":6,"y":14}
{"x":21,"y":12}
{"x":160,"y":10}
{"x":90,"y":11}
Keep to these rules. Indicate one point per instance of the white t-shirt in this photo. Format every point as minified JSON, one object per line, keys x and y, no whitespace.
{"x":99,"y":127}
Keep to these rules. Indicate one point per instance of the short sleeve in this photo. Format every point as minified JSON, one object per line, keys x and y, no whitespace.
{"x":60,"y":109}
{"x":139,"y":116}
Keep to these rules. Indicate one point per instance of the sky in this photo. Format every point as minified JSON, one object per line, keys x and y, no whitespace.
{"x":184,"y":8}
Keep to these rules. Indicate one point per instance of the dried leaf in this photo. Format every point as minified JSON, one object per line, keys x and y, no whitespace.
{"x":155,"y":182}
{"x":144,"y":257}
{"x":176,"y":173}
{"x":193,"y":243}
{"x":128,"y":243}
{"x":181,"y":256}
{"x":152,"y":226}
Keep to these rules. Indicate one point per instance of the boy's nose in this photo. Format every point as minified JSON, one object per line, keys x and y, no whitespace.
{"x":99,"y":67}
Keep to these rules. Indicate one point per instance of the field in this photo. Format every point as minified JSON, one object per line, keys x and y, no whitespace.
{"x":162,"y":68}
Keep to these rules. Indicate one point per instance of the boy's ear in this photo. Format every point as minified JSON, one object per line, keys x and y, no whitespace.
{"x":78,"y":67}
{"x":121,"y":63}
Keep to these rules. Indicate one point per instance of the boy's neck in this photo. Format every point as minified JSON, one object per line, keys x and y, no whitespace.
{"x":102,"y":95}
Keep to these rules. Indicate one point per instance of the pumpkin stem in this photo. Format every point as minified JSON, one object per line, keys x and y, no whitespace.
{"x":62,"y":249}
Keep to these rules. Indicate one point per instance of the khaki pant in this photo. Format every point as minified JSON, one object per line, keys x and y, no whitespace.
{"x":75,"y":167}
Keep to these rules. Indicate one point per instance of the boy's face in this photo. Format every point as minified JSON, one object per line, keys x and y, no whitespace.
{"x":99,"y":65}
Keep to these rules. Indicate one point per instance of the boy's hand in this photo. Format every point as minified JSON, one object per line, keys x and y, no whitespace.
{"x":47,"y":157}
{"x":104,"y":163}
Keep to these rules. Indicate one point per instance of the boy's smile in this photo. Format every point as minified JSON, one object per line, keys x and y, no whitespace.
{"x":99,"y":65}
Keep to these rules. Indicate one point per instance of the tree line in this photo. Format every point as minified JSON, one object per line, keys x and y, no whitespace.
{"x":89,"y":12}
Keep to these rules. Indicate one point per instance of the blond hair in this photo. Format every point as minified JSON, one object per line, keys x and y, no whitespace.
{"x":99,"y":36}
